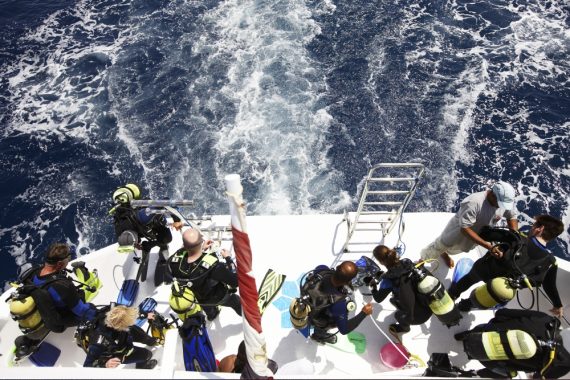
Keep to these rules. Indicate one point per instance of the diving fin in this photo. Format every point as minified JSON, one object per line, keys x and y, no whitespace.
{"x":161,"y":270}
{"x":46,"y":355}
{"x":462,"y":267}
{"x":128,"y":292}
{"x":270,"y":286}
{"x":358,"y":340}
{"x":148,"y":305}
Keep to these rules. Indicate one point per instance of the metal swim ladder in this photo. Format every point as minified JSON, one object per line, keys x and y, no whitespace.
{"x":388,"y":189}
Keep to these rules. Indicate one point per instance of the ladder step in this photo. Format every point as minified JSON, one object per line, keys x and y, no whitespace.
{"x":387,"y":192}
{"x":377,"y":212}
{"x":369,"y":243}
{"x":392,"y":179}
{"x":384,"y":203}
{"x":373,"y":222}
{"x":366,"y":229}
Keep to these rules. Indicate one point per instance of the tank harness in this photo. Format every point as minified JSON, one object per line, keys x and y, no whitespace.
{"x":32,"y":306}
{"x":428,"y":286}
{"x":313,"y":301}
{"x":501,"y":290}
{"x":125,"y":218}
{"x":116,"y":343}
{"x":186,"y":291}
{"x":513,"y":345}
{"x":439,"y":301}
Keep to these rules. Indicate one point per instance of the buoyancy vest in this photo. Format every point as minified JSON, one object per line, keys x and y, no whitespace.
{"x":31,"y":304}
{"x":520,"y":255}
{"x":126,"y":218}
{"x":196,"y":275}
{"x":534,"y":262}
{"x":111,"y":342}
{"x":319,"y":299}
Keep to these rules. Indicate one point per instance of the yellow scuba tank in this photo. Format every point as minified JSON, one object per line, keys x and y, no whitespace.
{"x":440,"y":303}
{"x":494,"y":292}
{"x":299,"y":313}
{"x":23,"y":310}
{"x":182,"y":301}
{"x":90,"y":281}
{"x":500,"y":345}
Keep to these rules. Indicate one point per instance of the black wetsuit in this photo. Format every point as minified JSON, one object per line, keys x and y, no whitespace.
{"x":535,"y":323}
{"x":107,"y":343}
{"x":212,"y":285}
{"x":413,"y":308}
{"x":533,"y":259}
{"x":148,"y":225}
{"x":335,"y":315}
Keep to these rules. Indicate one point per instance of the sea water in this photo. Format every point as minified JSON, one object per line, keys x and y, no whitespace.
{"x":298,"y":97}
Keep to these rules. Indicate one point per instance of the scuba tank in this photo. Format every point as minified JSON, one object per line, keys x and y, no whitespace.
{"x":23,"y":309}
{"x":440,"y":303}
{"x":494,"y":292}
{"x":182,"y":301}
{"x":500,"y":345}
{"x":299,"y":311}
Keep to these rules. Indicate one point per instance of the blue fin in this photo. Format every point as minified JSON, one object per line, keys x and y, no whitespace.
{"x":146,"y":306}
{"x":46,"y":355}
{"x":128,"y":292}
{"x":462,"y":267}
{"x":305,"y":331}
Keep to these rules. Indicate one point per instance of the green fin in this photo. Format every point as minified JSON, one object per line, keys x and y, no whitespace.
{"x":358,"y":340}
{"x":270,"y":286}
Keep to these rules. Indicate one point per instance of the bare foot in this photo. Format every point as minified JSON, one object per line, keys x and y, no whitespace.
{"x":447,"y":260}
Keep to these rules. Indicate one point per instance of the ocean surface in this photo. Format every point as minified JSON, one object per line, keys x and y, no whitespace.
{"x":299,"y":97}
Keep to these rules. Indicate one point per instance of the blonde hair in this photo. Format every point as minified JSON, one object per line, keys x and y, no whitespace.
{"x":121,"y":317}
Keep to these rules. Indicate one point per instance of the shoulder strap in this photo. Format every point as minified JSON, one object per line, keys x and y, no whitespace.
{"x":209,"y":260}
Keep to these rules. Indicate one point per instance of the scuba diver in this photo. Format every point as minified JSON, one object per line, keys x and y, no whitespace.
{"x":48,"y":301}
{"x":214,"y":283}
{"x":325,"y":302}
{"x":519,"y":340}
{"x":518,"y":262}
{"x":416,"y":293}
{"x":133,"y":224}
{"x":110,"y":341}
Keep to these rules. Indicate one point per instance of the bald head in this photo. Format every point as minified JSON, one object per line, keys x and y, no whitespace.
{"x":344,"y":273}
{"x":192,"y":240}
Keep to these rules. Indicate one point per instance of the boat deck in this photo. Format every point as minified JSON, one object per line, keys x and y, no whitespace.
{"x":291,"y":245}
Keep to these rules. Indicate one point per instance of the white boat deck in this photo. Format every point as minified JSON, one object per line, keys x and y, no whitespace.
{"x":291,"y":245}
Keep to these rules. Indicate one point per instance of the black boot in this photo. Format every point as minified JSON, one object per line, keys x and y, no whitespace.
{"x":25,"y":347}
{"x":465,"y":305}
{"x":461,"y":336}
{"x":398,"y":328}
{"x":212,"y":312}
{"x":149,"y":364}
{"x":322,"y":336}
